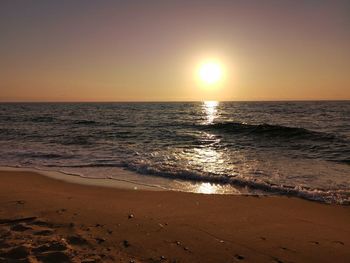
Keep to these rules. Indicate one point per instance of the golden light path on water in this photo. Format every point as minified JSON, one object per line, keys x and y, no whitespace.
{"x":206,"y":157}
{"x":210,"y":110}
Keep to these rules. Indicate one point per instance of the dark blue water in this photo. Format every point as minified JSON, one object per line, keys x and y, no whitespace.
{"x":295,"y":148}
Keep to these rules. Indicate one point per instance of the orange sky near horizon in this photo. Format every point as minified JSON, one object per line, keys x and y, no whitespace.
{"x":131,"y":51}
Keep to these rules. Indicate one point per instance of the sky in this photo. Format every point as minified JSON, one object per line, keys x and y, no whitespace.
{"x":151,"y":50}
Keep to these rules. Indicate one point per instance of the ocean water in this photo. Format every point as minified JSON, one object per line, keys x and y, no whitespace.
{"x":294,"y":148}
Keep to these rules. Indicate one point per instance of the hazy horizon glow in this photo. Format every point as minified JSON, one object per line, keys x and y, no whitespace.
{"x":151,"y":51}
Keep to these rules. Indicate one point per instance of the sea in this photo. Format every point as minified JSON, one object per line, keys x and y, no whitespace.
{"x":299,"y":149}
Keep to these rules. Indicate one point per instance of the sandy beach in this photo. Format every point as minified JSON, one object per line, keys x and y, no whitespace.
{"x":175,"y":131}
{"x":48,"y":220}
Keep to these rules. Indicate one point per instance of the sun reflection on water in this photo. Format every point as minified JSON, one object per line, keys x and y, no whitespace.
{"x":210,"y":110}
{"x":207,"y":188}
{"x":205,"y":158}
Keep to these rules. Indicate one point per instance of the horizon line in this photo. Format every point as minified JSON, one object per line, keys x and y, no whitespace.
{"x":171,"y":101}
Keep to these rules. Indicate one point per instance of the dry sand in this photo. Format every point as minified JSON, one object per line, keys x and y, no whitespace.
{"x":43,"y":219}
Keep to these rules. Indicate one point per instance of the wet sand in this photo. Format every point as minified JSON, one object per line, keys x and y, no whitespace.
{"x":47,"y":220}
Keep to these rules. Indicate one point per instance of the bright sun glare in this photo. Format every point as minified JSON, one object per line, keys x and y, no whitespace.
{"x":210,"y":72}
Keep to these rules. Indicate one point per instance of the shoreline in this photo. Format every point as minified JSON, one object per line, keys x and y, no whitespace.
{"x":42,"y":218}
{"x":77,"y":179}
{"x":131,"y":180}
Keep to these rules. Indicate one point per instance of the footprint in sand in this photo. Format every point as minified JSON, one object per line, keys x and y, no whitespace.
{"x":52,"y":246}
{"x":16,"y":253}
{"x":54,"y":257}
{"x":239,"y":257}
{"x":41,"y":223}
{"x":4,"y":244}
{"x":77,"y":240}
{"x":100,"y":240}
{"x":17,"y":220}
{"x":46,"y":245}
{"x":20,"y":227}
{"x":45,"y":232}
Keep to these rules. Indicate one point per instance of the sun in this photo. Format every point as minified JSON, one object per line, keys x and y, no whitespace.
{"x":210,"y":72}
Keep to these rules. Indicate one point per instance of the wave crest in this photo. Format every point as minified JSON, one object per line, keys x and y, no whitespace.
{"x":269,"y":130}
